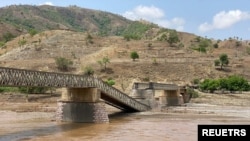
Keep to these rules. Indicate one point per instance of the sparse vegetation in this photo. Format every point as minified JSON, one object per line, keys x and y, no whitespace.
{"x":73,"y":55}
{"x":136,"y":30}
{"x":33,"y":90}
{"x":170,"y":36}
{"x":181,"y":45}
{"x":192,"y":93}
{"x":103,"y":22}
{"x":25,"y":90}
{"x":89,"y":38}
{"x":150,"y":45}
{"x":248,"y":50}
{"x":88,"y":71}
{"x":33,"y":32}
{"x":9,"y":89}
{"x":63,"y":64}
{"x":196,"y":81}
{"x":217,"y":62}
{"x":173,"y":37}
{"x":2,"y":44}
{"x":8,"y":36}
{"x":163,"y":37}
{"x":146,"y":79}
{"x":104,"y":62}
{"x":22,"y":42}
{"x":204,"y":44}
{"x":155,"y":61}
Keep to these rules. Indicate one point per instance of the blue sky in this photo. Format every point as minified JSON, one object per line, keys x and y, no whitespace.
{"x":218,"y":19}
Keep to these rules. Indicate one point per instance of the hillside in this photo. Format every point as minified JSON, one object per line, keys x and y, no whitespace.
{"x":78,"y":35}
{"x":159,"y":62}
{"x":19,"y":19}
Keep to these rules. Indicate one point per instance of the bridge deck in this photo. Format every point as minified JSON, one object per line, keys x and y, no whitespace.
{"x":21,"y":77}
{"x":156,"y":86}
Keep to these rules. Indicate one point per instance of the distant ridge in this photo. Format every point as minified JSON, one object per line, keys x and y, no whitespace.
{"x":18,"y":19}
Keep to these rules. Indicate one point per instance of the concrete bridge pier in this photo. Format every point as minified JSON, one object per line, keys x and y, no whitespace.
{"x":145,"y":96}
{"x":82,"y":105}
{"x":174,"y":98}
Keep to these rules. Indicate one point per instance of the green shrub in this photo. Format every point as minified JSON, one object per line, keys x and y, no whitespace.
{"x":134,"y":55}
{"x":237,"y":83}
{"x":231,"y":83}
{"x":22,"y":42}
{"x":209,"y":84}
{"x":8,"y":89}
{"x":33,"y":90}
{"x":27,"y":90}
{"x":110,"y":82}
{"x":199,"y":49}
{"x":147,"y":79}
{"x":8,"y":36}
{"x":88,"y":70}
{"x":192,"y":93}
{"x":63,"y":64}
{"x":32,"y":32}
{"x":196,"y":81}
{"x":216,"y":62}
{"x":136,"y":30}
{"x":216,"y":45}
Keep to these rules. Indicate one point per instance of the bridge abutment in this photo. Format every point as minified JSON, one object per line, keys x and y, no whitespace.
{"x":82,"y":105}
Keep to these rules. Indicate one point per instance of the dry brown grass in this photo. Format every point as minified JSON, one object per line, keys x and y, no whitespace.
{"x":173,"y":65}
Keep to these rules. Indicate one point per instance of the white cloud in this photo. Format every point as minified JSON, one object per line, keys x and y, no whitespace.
{"x":47,"y":3}
{"x":155,"y":15}
{"x":144,"y":12}
{"x":224,"y":20}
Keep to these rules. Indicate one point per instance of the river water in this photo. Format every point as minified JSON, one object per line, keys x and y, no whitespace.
{"x":171,"y":124}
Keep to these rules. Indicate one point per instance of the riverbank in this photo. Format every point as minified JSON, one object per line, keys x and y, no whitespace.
{"x":35,"y":120}
{"x":48,"y":102}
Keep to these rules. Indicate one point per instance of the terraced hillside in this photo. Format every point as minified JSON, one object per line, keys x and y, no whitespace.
{"x":158,"y":62}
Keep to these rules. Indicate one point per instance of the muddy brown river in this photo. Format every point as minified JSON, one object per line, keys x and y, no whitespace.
{"x":169,"y":124}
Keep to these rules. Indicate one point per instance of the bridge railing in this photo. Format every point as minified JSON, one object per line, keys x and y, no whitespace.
{"x":120,"y":96}
{"x":155,"y":86}
{"x":21,"y":77}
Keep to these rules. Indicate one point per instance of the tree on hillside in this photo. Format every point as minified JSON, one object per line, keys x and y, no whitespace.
{"x":173,"y":37}
{"x":134,"y":55}
{"x":104,"y":61}
{"x":222,"y":61}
